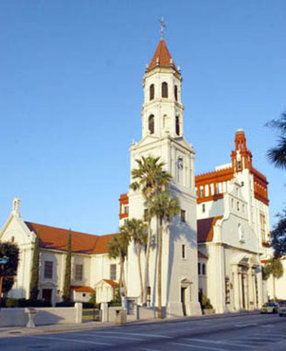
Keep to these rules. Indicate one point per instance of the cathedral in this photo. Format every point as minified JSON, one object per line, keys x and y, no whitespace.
{"x":215,"y":247}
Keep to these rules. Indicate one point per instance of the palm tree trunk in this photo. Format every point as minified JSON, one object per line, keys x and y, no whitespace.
{"x":159,"y":283}
{"x":123,"y":276}
{"x":274,"y":292}
{"x":147,"y":263}
{"x":138,"y":247}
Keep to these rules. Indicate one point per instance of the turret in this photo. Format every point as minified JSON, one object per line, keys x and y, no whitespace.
{"x":162,"y":112}
{"x":241,"y":157}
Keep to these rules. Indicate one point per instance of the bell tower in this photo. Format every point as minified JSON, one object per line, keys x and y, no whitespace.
{"x":163,"y":137}
{"x":162,"y":112}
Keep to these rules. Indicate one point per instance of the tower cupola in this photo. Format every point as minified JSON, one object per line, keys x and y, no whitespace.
{"x":162,"y":112}
{"x":241,"y":157}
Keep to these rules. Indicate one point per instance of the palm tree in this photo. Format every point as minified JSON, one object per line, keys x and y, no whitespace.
{"x":137,"y":230}
{"x":277,"y":155}
{"x":117,"y":248}
{"x":164,"y":207}
{"x":150,"y":178}
{"x":275,"y":268}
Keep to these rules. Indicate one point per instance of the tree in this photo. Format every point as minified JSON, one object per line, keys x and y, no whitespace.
{"x":117,"y":248}
{"x":277,"y":155}
{"x":67,"y":278}
{"x":34,"y":290}
{"x":150,"y":178}
{"x":275,"y":268}
{"x":164,"y":207}
{"x":11,"y":251}
{"x":279,"y":236}
{"x":137,"y":230}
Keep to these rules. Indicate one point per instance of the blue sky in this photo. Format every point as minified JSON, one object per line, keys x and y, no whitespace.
{"x":71,"y":96}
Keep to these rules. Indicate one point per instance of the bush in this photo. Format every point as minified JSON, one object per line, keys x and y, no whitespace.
{"x":12,"y":302}
{"x":65,"y":304}
{"x":114,"y":303}
{"x":206,"y":304}
{"x":37,"y":303}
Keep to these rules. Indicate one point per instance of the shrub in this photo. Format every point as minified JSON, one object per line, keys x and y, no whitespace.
{"x":206,"y":304}
{"x":12,"y":302}
{"x":65,"y":304}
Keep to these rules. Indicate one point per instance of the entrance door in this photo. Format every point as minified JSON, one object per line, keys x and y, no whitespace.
{"x":47,"y":295}
{"x":183,"y":300}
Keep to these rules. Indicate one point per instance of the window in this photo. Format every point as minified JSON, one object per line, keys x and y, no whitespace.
{"x":199,"y":268}
{"x":48,"y":270}
{"x":183,"y":216}
{"x":177,"y":125}
{"x":202,"y":192}
{"x":204,"y":207}
{"x":237,"y":206}
{"x":113,"y":271}
{"x":151,"y":124}
{"x":152,"y":92}
{"x":125,"y":209}
{"x":164,"y":90}
{"x":183,"y":251}
{"x":203,"y":269}
{"x":78,"y":272}
{"x":262,"y":227}
{"x":239,"y":165}
{"x":176,"y":92}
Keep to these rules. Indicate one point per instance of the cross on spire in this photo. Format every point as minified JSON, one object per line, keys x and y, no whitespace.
{"x":162,"y":26}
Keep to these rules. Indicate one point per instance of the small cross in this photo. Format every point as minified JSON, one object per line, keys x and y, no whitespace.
{"x":162,"y":26}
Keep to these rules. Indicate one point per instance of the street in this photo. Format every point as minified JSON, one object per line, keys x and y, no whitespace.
{"x":218,"y":333}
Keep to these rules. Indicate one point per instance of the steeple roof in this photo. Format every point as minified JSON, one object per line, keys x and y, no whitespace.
{"x":162,"y":57}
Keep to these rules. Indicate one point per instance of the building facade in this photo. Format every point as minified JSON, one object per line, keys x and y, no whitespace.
{"x":217,"y":245}
{"x":90,"y":264}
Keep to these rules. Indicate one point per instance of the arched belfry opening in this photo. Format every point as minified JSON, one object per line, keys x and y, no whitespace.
{"x":151,"y":124}
{"x":152,"y":92}
{"x":176,"y":92}
{"x":164,"y":90}
{"x":177,"y":125}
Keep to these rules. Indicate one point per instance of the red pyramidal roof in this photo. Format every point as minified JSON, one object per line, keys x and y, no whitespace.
{"x":162,"y":57}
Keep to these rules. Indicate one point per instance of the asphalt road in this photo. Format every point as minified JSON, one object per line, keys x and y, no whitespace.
{"x":243,"y":332}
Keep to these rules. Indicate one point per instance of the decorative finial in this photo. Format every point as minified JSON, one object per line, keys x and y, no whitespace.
{"x":162,"y":26}
{"x":16,"y":207}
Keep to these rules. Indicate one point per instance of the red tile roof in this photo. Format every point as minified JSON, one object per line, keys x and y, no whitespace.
{"x":163,"y":55}
{"x":205,"y":228}
{"x":57,"y":238}
{"x":82,"y":289}
{"x":111,"y":282}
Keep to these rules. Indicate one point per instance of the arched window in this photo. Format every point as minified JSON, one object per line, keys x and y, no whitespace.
{"x":152,"y":91}
{"x":151,"y":124}
{"x":164,"y":90}
{"x":177,"y":125}
{"x":176,"y":92}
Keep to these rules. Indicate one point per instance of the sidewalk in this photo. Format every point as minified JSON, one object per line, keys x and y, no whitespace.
{"x":8,"y":332}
